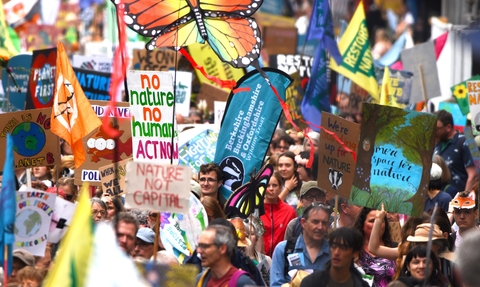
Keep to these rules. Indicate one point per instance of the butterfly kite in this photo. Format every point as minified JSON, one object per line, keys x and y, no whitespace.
{"x":249,"y":197}
{"x":224,"y":24}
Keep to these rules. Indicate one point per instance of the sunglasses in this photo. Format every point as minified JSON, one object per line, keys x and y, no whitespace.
{"x":69,"y":197}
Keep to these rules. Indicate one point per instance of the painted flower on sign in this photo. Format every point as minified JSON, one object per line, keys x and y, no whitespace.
{"x":460,"y":91}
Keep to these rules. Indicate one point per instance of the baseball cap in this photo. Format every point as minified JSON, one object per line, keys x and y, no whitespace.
{"x":24,"y":256}
{"x":310,"y":185}
{"x":146,"y":234}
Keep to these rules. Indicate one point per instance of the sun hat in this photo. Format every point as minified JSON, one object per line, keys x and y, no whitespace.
{"x":423,"y":230}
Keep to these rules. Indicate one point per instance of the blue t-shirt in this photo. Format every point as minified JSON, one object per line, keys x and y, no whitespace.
{"x":442,"y":198}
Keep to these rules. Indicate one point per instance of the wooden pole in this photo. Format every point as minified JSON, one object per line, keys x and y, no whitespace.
{"x":335,"y":213}
{"x":5,"y":264}
{"x":424,"y":90}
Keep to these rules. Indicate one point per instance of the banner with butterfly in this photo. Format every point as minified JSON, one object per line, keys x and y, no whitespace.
{"x":248,"y":125}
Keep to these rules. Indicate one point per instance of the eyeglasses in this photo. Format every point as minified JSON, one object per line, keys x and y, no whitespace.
{"x":205,"y":246}
{"x":102,"y":212}
{"x":318,"y":197}
{"x":209,"y":180}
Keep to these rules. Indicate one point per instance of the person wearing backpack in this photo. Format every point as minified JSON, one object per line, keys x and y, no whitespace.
{"x":311,"y":249}
{"x":216,"y":247}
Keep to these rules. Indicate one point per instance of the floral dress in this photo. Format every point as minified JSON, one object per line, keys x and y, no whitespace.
{"x":380,"y":268}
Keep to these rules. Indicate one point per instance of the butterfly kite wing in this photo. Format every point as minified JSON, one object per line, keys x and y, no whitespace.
{"x":263,"y":177}
{"x":241,"y":8}
{"x":241,"y":202}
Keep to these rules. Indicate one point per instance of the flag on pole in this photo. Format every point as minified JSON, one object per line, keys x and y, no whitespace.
{"x":316,"y":97}
{"x":8,"y":208}
{"x":357,"y":61}
{"x":73,"y":258}
{"x":72,"y":115}
{"x":385,"y":98}
{"x":7,"y":48}
{"x":460,"y":93}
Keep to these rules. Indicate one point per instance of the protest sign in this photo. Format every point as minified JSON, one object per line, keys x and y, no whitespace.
{"x":400,"y":87}
{"x":472,"y":146}
{"x":100,"y":147}
{"x":421,"y":61}
{"x":336,"y":166}
{"x":291,"y":63}
{"x":155,"y":60}
{"x":95,"y":85}
{"x":473,"y":88}
{"x":41,"y":84}
{"x":280,"y":40}
{"x":394,"y":159}
{"x":61,"y":219}
{"x":34,"y":142}
{"x":250,"y":120}
{"x":33,"y":217}
{"x":100,"y":64}
{"x":16,"y":85}
{"x":180,"y":232}
{"x":154,"y":131}
{"x":113,"y":177}
{"x":158,"y":187}
{"x":206,"y":57}
{"x":218,"y":111}
{"x":183,"y":92}
{"x":41,"y":36}
{"x":197,"y":146}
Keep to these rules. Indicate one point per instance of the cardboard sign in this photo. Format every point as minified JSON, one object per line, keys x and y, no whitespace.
{"x":422,"y":56}
{"x":206,"y":57}
{"x":100,"y":64}
{"x":16,"y":89}
{"x":33,"y":217}
{"x":34,"y":142}
{"x":280,"y":40}
{"x":183,"y":92}
{"x":197,"y":146}
{"x":158,"y":187}
{"x":473,"y":88}
{"x":472,"y":146}
{"x":41,"y":84}
{"x":95,"y":85}
{"x":336,"y":166}
{"x":155,"y":60}
{"x":113,"y":177}
{"x":394,"y":159}
{"x":102,"y":149}
{"x":210,"y":94}
{"x":400,"y":84}
{"x":154,"y":130}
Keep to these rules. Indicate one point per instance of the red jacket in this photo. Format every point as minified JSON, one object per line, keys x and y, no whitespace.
{"x":275,"y":220}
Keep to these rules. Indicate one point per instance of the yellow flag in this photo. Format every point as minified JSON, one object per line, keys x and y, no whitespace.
{"x":73,"y":258}
{"x":385,"y":98}
{"x":357,"y":63}
{"x":6,"y":45}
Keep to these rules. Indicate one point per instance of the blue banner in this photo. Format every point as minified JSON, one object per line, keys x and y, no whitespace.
{"x":248,"y":125}
{"x":16,"y":89}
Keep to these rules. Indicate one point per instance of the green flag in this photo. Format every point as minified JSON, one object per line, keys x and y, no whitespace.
{"x":460,"y":93}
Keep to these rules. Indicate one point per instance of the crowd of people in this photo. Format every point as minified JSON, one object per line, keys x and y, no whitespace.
{"x":303,"y":237}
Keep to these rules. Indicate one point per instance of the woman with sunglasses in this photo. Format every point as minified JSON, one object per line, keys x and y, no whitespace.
{"x":69,"y":187}
{"x":277,"y":214}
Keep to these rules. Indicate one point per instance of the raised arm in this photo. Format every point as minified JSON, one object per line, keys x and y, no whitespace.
{"x":374,"y":246}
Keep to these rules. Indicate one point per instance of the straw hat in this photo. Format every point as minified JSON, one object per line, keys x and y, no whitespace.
{"x":423,"y":230}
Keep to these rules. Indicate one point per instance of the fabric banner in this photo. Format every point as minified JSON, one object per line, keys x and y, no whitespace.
{"x":154,"y":131}
{"x":394,"y":159}
{"x":250,"y":120}
{"x":34,"y":143}
{"x":95,"y":85}
{"x":32,"y":223}
{"x":41,"y":85}
{"x":16,"y":85}
{"x":357,"y":63}
{"x":400,"y":86}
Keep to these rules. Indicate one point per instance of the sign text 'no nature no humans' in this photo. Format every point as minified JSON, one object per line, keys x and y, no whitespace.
{"x":154,"y":134}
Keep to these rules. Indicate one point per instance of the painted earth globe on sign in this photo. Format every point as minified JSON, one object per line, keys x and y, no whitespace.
{"x":27,"y":223}
{"x":28,"y":139}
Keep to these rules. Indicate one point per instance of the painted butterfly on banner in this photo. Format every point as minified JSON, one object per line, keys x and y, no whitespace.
{"x":225,"y":24}
{"x":249,"y":196}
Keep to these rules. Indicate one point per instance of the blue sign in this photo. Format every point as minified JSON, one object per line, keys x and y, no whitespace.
{"x":16,"y":89}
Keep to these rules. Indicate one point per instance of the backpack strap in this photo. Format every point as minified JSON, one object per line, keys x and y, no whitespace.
{"x":202,"y":278}
{"x":297,"y":229}
{"x":289,"y":248}
{"x":233,"y":280}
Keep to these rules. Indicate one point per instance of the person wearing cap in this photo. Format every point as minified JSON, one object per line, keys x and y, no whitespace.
{"x":434,"y":193}
{"x":21,"y":259}
{"x":309,"y":251}
{"x":144,"y":243}
{"x":309,"y":193}
{"x":277,"y":214}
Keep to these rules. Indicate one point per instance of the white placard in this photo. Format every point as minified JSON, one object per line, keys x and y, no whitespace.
{"x":158,"y":187}
{"x":219,"y":108}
